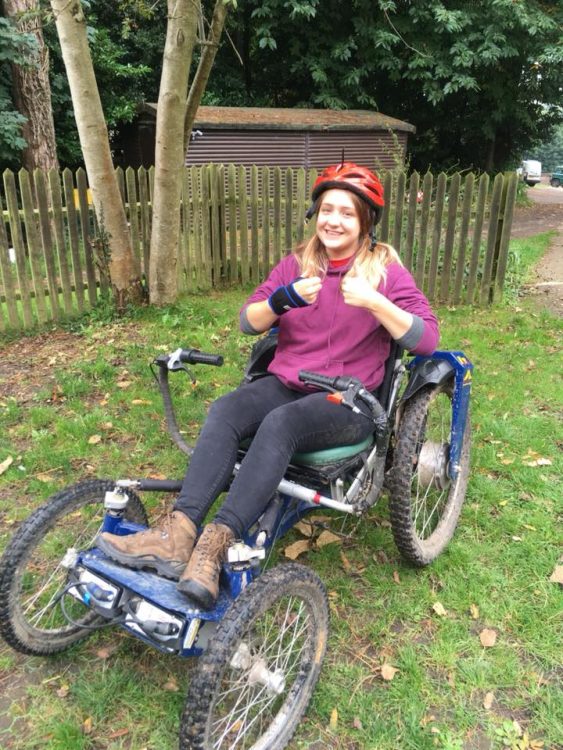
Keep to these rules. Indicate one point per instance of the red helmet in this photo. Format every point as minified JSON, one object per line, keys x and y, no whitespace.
{"x":350,"y":176}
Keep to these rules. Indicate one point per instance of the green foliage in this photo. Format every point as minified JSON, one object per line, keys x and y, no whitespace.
{"x":479,"y":80}
{"x":19,"y":48}
{"x":550,"y":153}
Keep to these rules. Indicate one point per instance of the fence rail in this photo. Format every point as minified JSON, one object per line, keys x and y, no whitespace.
{"x":452,"y":232}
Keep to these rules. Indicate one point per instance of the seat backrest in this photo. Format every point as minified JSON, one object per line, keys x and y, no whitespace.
{"x":384,"y":390}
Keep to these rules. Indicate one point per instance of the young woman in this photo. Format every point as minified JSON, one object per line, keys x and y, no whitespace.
{"x":338,"y":300}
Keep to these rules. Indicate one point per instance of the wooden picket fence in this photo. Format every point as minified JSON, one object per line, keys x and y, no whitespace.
{"x":452,"y":232}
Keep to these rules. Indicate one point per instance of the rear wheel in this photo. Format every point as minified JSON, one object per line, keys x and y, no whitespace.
{"x":554,"y":182}
{"x":256,"y":679}
{"x":424,"y":502}
{"x":33,"y":572}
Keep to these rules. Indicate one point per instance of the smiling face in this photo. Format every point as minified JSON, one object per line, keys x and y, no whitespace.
{"x":338,"y":223}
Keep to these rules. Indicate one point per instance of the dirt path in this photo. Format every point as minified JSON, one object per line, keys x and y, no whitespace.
{"x":546,"y":214}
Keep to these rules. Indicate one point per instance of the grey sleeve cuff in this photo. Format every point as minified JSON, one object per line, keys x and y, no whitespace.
{"x":411,"y":338}
{"x":245,"y":326}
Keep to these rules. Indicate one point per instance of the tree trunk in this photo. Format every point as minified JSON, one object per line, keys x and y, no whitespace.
{"x":32,"y":91}
{"x":169,"y":150}
{"x":210,"y":47}
{"x":93,"y":134}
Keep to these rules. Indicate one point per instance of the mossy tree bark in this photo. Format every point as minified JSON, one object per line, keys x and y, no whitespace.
{"x":92,"y":130}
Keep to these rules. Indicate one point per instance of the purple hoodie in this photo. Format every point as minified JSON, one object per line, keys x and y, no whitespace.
{"x":333,"y":338}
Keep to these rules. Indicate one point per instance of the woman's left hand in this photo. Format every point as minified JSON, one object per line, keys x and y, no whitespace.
{"x":358,"y":292}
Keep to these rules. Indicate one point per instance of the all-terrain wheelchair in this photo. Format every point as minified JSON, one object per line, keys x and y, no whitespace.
{"x":263,"y":644}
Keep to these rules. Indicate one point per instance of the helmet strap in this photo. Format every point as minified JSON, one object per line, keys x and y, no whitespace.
{"x":373,"y":239}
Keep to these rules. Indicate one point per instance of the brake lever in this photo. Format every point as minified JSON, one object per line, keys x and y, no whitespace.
{"x":346,"y":398}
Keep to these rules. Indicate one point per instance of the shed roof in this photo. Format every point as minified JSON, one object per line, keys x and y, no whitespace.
{"x":273,"y":118}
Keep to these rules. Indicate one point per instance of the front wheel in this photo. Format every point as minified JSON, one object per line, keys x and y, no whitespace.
{"x":33,"y":576}
{"x":554,"y":182}
{"x":424,"y":502}
{"x":256,"y":679}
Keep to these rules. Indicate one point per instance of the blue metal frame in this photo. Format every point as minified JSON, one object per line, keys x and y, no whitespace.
{"x":163,"y":593}
{"x":463,"y":369}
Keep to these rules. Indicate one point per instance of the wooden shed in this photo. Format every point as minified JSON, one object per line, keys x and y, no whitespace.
{"x":310,"y":138}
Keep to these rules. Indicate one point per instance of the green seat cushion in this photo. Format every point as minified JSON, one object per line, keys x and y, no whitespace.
{"x":331,"y":455}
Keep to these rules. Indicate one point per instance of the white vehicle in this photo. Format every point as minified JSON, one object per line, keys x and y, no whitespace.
{"x":531,"y":172}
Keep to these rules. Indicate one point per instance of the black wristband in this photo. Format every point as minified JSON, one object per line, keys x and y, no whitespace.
{"x":285,"y":298}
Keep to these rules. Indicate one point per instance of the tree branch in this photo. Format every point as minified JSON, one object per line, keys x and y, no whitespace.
{"x":201,"y":77}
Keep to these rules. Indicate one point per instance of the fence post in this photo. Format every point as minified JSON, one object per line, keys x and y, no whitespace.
{"x":423,"y":233}
{"x":503,"y":233}
{"x":465,"y":218}
{"x":254,"y":225}
{"x":411,"y":219}
{"x":486,"y":281}
{"x":232,"y":213}
{"x":19,"y":248}
{"x":436,"y":234}
{"x":72,"y":226}
{"x":453,"y":197}
{"x":398,"y":220}
{"x":82,"y":185}
{"x":34,"y":251}
{"x":7,"y":277}
{"x":477,"y":232}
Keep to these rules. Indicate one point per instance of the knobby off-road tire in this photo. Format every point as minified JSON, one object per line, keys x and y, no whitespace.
{"x":32,"y":576}
{"x":424,"y":514}
{"x":278,"y":628}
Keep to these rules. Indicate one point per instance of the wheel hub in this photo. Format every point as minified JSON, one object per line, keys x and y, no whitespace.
{"x":432,"y":469}
{"x":258,"y":672}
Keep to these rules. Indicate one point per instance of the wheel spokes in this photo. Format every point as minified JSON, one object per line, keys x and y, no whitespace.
{"x":278,"y":639}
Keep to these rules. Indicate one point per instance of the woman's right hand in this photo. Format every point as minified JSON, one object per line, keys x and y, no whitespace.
{"x":308,"y":287}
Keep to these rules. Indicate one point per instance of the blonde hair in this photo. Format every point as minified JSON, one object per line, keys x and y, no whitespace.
{"x":369,"y":264}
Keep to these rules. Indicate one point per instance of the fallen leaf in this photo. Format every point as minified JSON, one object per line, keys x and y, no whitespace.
{"x":439,"y":609}
{"x":388,"y":672}
{"x":297,"y":548}
{"x":346,"y":564}
{"x":123,"y":384}
{"x":396,"y":577}
{"x":171,"y":685}
{"x":87,"y":725}
{"x":118,"y":733}
{"x":44,"y":476}
{"x":428,"y":719}
{"x":63,"y":691}
{"x":357,"y":724}
{"x":104,"y":653}
{"x":141,"y":402}
{"x":530,"y":528}
{"x":305,"y":528}
{"x":333,"y":719}
{"x":6,"y":463}
{"x":327,"y":537}
{"x":488,"y":701}
{"x":488,"y":637}
{"x":557,"y":575}
{"x":106,"y":425}
{"x":516,"y":538}
{"x":94,"y":439}
{"x":474,"y":611}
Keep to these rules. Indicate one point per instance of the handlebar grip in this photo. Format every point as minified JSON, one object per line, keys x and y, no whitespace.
{"x":338,"y":383}
{"x":195,"y":357}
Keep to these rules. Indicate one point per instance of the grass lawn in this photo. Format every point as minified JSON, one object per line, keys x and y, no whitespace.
{"x":81,"y":402}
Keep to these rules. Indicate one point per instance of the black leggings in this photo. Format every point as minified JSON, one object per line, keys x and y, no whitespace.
{"x":282,"y":422}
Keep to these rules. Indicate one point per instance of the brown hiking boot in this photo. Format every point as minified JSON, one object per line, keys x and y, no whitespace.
{"x":166,"y":548}
{"x":200,"y":579}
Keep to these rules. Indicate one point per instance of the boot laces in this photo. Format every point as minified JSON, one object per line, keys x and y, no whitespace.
{"x":211,"y":546}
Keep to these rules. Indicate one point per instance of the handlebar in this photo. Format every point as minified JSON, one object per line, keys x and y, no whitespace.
{"x":175,"y":360}
{"x":351,"y":389}
{"x":338,"y":383}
